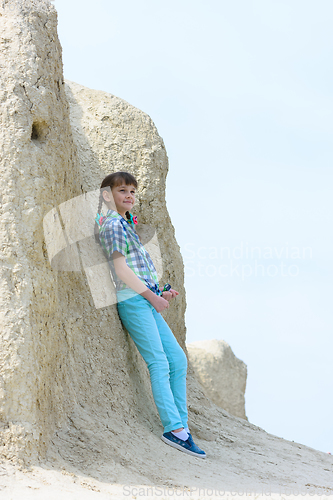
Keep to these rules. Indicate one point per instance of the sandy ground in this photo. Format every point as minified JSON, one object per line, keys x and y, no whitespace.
{"x":47,"y":483}
{"x":242,"y":460}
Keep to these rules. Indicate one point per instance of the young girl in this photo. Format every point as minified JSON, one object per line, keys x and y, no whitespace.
{"x":140,"y":301}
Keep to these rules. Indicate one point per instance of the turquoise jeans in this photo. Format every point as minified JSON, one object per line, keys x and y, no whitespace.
{"x":166,"y":360}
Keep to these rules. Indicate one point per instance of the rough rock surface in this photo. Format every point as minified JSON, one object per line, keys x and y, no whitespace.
{"x":63,"y":362}
{"x":74,"y":392}
{"x":221,"y":373}
{"x":38,"y":170}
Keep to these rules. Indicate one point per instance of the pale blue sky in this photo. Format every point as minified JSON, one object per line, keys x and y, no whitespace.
{"x":241,"y":93}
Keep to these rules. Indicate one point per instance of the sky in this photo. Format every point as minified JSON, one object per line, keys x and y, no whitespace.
{"x":241,"y":93}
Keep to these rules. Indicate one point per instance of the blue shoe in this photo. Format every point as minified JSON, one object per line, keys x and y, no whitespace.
{"x":187,"y":446}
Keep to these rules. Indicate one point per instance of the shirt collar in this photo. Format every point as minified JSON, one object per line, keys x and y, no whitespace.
{"x":115,"y":215}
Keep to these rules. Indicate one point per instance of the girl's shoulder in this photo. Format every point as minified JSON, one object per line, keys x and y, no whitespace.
{"x":112,"y":221}
{"x":119,"y":227}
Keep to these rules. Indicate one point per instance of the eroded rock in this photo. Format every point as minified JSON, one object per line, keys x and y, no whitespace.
{"x":221,"y":373}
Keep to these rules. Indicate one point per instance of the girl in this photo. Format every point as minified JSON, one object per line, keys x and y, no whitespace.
{"x":140,"y":301}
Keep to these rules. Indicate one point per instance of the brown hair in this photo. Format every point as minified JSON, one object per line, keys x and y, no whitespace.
{"x":112,"y":180}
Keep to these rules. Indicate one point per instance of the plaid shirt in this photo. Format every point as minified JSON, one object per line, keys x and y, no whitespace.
{"x":116,"y":233}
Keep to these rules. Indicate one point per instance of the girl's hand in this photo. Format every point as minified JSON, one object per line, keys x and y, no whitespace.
{"x":171,"y":294}
{"x":167,"y":296}
{"x":159,"y":303}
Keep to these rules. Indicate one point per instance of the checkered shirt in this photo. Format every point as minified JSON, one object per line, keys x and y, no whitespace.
{"x":116,"y":233}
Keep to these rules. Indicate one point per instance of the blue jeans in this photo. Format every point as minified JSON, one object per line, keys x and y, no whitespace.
{"x":166,"y":360}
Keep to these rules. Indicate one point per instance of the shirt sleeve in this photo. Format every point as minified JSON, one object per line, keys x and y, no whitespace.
{"x":113,"y":238}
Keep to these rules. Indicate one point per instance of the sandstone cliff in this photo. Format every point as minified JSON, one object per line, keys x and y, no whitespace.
{"x":38,"y":171}
{"x":60,"y":354}
{"x":75,"y":395}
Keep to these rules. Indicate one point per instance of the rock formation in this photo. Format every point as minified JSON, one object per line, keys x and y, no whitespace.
{"x":39,"y":170}
{"x":74,"y":393}
{"x":55,"y":346}
{"x":222,"y":375}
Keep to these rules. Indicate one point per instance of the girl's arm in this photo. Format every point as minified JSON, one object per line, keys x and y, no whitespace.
{"x":130,"y":278}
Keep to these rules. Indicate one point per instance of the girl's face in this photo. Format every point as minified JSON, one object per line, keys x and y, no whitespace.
{"x":124,"y":198}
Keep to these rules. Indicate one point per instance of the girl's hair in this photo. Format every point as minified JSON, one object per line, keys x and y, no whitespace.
{"x":112,"y":180}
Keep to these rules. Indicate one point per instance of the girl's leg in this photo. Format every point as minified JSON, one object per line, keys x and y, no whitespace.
{"x":137,"y":316}
{"x":178,"y":365}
